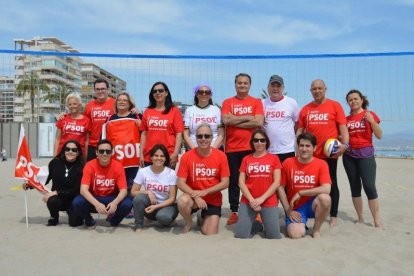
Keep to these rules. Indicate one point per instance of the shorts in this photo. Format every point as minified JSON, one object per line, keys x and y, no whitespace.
{"x":210,"y":211}
{"x":305,"y":211}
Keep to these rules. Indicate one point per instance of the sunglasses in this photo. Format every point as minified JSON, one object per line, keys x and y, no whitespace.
{"x":74,"y":150}
{"x":261,"y":140}
{"x":204,"y":92}
{"x":158,"y":91}
{"x":105,"y":151}
{"x":101,"y":89}
{"x":205,"y":136}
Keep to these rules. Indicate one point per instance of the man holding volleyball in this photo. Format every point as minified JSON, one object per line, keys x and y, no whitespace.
{"x":307,"y":183}
{"x":325,"y":119}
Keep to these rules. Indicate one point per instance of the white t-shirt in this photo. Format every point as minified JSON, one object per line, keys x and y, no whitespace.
{"x":195,"y":116}
{"x":279,"y":124}
{"x":159,"y":184}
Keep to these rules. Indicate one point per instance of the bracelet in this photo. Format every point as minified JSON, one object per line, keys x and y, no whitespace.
{"x":347,"y":145}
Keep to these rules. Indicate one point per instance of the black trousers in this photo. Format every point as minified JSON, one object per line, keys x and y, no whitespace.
{"x":235,"y":159}
{"x":56,"y":204}
{"x":333,"y":164}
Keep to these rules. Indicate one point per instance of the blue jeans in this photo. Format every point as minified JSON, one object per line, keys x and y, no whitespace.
{"x":84,"y":208}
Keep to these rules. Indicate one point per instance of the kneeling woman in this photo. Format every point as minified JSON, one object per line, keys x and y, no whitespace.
{"x":157,"y":200}
{"x":65,"y":171}
{"x":259,"y":178}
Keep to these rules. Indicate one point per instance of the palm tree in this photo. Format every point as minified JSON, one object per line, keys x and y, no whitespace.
{"x":32,"y":85}
{"x":58,"y":93}
{"x":264,"y":94}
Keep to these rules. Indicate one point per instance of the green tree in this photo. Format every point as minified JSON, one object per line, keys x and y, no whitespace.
{"x":58,"y":93}
{"x":264,"y":94}
{"x":32,"y":85}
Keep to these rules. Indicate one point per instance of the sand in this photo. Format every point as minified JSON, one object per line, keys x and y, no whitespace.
{"x":347,"y":249}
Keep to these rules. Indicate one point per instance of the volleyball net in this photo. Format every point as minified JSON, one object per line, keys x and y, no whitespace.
{"x":386,"y":78}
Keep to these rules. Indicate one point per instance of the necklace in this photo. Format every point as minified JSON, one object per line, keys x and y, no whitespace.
{"x":67,"y":170}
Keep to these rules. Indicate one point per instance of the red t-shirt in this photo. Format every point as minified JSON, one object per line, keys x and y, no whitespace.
{"x":123,"y":133}
{"x":297,"y":176}
{"x":322,"y":120}
{"x":98,"y":113}
{"x":73,"y":129}
{"x":161,"y":129}
{"x":238,"y":139}
{"x":259,"y":176}
{"x":204,"y":172}
{"x":360,"y":130}
{"x":104,"y":181}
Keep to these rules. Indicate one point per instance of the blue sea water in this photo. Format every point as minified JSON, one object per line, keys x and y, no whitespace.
{"x":395,"y":153}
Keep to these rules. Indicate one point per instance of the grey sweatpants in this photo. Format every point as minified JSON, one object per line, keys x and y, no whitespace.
{"x":165,"y":216}
{"x":270,"y":218}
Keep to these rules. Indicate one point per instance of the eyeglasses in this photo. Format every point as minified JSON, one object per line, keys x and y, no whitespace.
{"x":204,"y":92}
{"x":261,"y":140}
{"x":74,"y":150}
{"x":100,"y":89}
{"x":205,"y":136}
{"x":158,"y":91}
{"x":105,"y":151}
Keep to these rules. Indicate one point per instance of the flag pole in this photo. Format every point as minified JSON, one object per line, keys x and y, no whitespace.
{"x":25,"y":207}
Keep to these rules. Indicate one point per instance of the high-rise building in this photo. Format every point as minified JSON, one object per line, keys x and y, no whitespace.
{"x":55,"y":76}
{"x":57,"y":72}
{"x":6,"y":99}
{"x":91,"y":72}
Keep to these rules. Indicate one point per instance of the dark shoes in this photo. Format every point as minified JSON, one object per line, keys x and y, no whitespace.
{"x":52,"y":222}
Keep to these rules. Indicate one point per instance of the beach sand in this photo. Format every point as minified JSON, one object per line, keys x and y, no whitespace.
{"x":347,"y":249}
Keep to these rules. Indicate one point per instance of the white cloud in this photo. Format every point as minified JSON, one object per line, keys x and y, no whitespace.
{"x":279,"y":31}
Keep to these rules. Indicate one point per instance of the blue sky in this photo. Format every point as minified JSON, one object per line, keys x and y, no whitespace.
{"x":249,"y":27}
{"x":214,"y":27}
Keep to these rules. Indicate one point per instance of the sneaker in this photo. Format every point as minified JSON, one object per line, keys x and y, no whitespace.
{"x":52,"y":222}
{"x":233,"y":218}
{"x":130,"y":214}
{"x":256,"y":228}
{"x":110,"y":216}
{"x":259,"y":218}
{"x":90,"y":223}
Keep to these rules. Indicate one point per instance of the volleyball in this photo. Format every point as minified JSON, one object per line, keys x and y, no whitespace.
{"x":331,"y":147}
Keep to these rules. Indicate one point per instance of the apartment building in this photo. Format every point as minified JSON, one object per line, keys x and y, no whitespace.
{"x":60,"y":72}
{"x":6,"y":99}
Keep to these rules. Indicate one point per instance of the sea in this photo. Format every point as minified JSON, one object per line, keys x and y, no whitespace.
{"x":395,"y":153}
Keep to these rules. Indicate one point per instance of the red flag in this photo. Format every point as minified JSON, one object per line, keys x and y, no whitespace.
{"x":25,"y":169}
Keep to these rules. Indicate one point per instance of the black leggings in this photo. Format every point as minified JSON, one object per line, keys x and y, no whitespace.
{"x":56,"y":204}
{"x":361,"y":170}
{"x":235,"y":159}
{"x":333,"y":164}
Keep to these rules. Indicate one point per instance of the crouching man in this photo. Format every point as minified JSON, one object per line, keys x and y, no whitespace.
{"x":305,"y":188}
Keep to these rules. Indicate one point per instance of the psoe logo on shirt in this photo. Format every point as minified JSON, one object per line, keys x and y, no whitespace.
{"x":241,"y":110}
{"x":100,"y":113}
{"x":205,"y":172}
{"x":157,"y":123}
{"x":105,"y":182}
{"x":209,"y":120}
{"x":308,"y":179}
{"x":157,"y":187}
{"x":275,"y":114}
{"x":72,"y":127}
{"x":318,"y":117}
{"x":258,"y":169}
{"x":354,"y":125}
